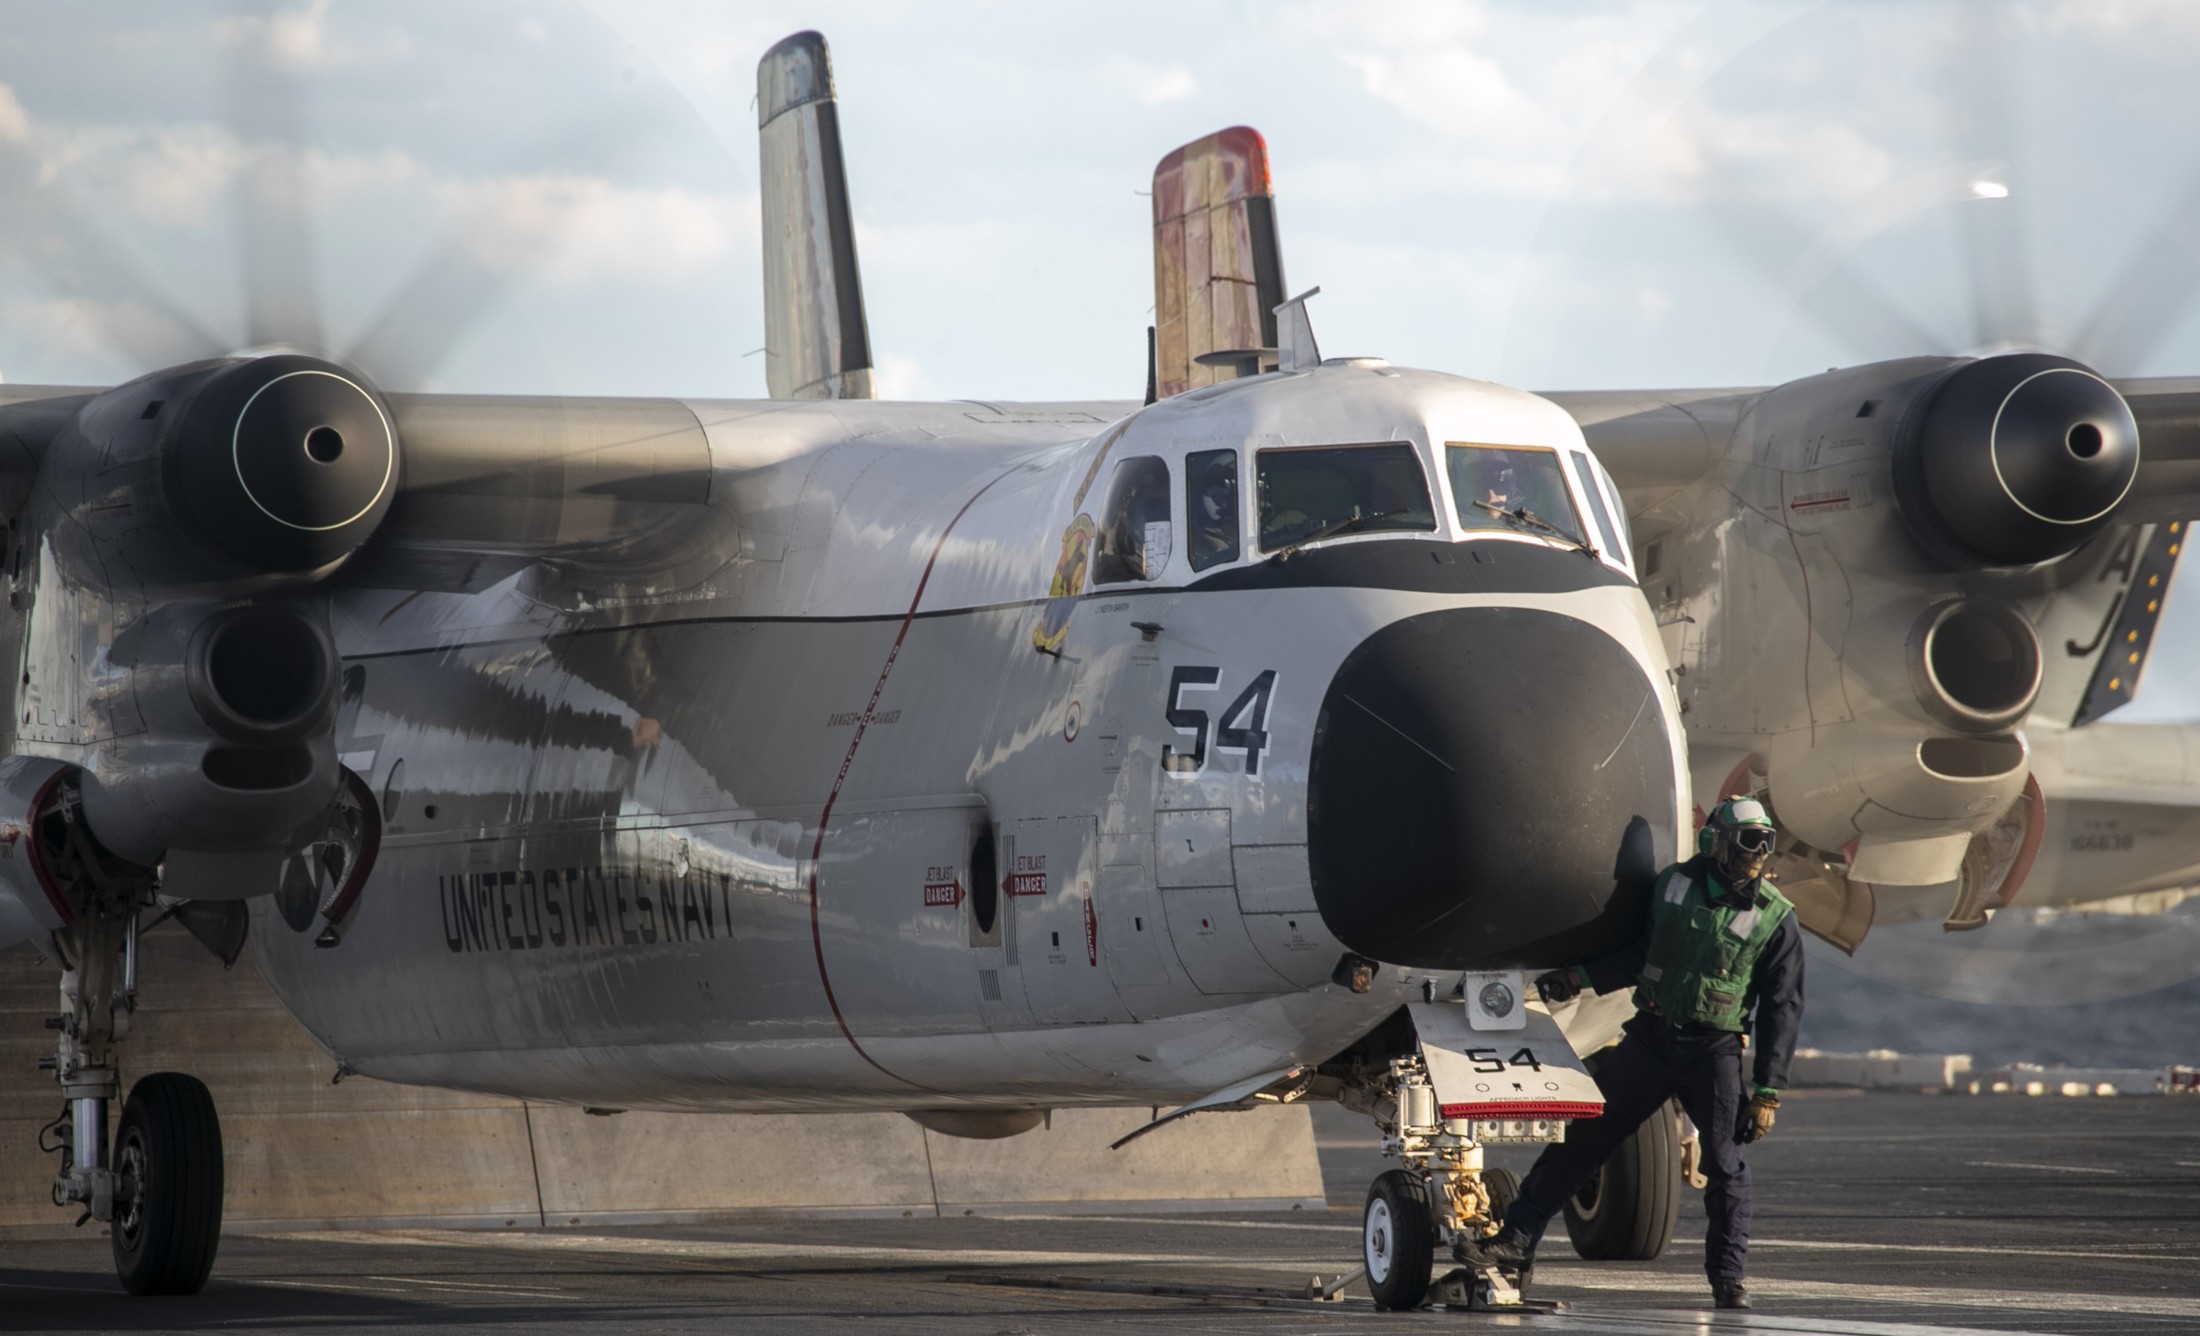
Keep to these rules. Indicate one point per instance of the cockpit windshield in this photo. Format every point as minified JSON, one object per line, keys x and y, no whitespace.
{"x":1307,"y":494}
{"x":1513,"y":488}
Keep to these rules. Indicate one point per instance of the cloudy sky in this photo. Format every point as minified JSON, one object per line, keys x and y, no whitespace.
{"x":556,"y":197}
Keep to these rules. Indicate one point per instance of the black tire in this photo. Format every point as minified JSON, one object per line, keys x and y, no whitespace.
{"x":1503,"y":1185}
{"x":1398,"y":1241}
{"x":1626,"y":1212}
{"x":170,"y":1144}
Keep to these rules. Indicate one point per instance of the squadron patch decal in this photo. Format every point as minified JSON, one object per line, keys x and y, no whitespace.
{"x":1076,"y":559}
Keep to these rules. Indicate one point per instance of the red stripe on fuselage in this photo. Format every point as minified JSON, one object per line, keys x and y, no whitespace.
{"x":847,"y":762}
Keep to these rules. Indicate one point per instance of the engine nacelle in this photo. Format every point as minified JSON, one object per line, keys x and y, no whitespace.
{"x":172,"y":648}
{"x":233,"y":749}
{"x":2014,"y":460}
{"x":224,"y":473}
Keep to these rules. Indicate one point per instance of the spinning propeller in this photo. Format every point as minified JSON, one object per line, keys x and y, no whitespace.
{"x":277,"y":204}
{"x":1945,"y":152}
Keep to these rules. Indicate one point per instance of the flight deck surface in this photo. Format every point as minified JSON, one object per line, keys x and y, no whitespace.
{"x":1875,"y":1214}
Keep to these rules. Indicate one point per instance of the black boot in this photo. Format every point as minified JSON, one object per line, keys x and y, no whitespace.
{"x":1507,"y":1250}
{"x":1729,"y":1294}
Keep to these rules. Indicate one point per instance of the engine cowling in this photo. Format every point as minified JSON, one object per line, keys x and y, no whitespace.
{"x":220,"y":472}
{"x":2015,"y":460}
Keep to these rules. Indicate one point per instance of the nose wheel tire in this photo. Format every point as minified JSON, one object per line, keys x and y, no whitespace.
{"x":1398,"y":1241}
{"x":168,"y":1202}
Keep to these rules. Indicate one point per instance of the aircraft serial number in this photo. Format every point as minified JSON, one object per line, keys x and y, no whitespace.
{"x":2110,"y":843}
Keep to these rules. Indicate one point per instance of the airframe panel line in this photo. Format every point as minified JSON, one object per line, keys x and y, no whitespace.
{"x":863,"y":724}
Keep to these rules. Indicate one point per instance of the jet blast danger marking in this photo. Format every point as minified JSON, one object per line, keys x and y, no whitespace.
{"x":942,"y":887}
{"x":524,"y":909}
{"x":1028,"y":877}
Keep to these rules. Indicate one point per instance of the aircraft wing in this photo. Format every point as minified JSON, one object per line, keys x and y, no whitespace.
{"x":1653,"y":441}
{"x":2168,"y":413}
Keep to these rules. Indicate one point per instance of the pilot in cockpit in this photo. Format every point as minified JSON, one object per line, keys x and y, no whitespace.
{"x":1214,"y":517}
{"x":1500,"y":484}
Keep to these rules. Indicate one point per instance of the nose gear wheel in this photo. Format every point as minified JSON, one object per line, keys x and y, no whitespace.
{"x":1398,"y":1241}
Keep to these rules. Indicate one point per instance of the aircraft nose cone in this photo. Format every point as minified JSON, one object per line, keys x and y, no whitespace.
{"x":1487,"y":787}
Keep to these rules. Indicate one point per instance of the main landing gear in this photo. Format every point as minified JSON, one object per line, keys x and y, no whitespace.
{"x":1627,"y":1211}
{"x":158,"y":1184}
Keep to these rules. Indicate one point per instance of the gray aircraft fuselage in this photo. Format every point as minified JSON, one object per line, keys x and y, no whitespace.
{"x":800,"y":809}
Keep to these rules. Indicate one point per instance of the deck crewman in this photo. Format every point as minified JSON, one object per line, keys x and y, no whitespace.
{"x":1722,"y":943}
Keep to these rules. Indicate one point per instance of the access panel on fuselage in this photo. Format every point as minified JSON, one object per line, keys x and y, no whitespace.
{"x":1051,"y":869}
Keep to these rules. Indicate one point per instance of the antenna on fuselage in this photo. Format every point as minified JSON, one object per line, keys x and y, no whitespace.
{"x":817,"y":343}
{"x":1295,"y":346}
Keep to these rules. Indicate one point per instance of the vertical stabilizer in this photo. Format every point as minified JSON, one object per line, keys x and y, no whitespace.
{"x":817,"y":344}
{"x":2097,"y":631}
{"x":1217,"y":270}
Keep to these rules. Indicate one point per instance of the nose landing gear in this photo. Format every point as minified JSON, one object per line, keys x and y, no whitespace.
{"x":1442,"y":1194}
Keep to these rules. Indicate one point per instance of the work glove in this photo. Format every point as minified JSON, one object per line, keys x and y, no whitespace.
{"x":1560,"y":985}
{"x":1755,"y":1123}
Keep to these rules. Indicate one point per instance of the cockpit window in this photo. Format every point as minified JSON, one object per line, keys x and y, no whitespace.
{"x":1330,"y":491}
{"x":1211,"y":507}
{"x":1585,"y":471}
{"x":1516,"y":489}
{"x":1134,"y":529}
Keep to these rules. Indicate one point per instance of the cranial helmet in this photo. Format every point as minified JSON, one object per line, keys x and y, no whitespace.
{"x":1737,"y":838}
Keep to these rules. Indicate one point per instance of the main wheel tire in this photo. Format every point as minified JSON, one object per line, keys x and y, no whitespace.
{"x":1627,"y":1210}
{"x":1398,"y":1241}
{"x":169,"y":1147}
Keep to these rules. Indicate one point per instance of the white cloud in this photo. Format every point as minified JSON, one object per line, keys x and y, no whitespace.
{"x":575,"y":228}
{"x":1152,"y":87}
{"x":294,"y":39}
{"x":898,"y":377}
{"x":2166,"y":27}
{"x":15,"y":123}
{"x":123,"y":336}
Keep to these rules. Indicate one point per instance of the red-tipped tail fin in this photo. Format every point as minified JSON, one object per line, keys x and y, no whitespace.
{"x":1217,"y":268}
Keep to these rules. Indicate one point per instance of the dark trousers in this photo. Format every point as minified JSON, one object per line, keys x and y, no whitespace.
{"x":1652,"y":1064}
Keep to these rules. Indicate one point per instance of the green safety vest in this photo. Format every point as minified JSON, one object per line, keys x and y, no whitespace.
{"x":1702,"y":954}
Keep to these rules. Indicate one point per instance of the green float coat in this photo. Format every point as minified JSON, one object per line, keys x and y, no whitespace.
{"x":1702,"y":953}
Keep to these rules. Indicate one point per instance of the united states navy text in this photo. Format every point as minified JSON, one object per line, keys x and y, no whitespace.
{"x":525,"y":909}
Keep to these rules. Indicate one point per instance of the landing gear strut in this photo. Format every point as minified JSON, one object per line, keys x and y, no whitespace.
{"x":158,"y":1186}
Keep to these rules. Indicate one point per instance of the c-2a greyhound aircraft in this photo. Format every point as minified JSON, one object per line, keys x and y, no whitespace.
{"x":1253,"y":743}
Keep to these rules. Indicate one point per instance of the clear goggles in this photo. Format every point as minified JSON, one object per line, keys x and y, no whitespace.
{"x":1752,"y":839}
